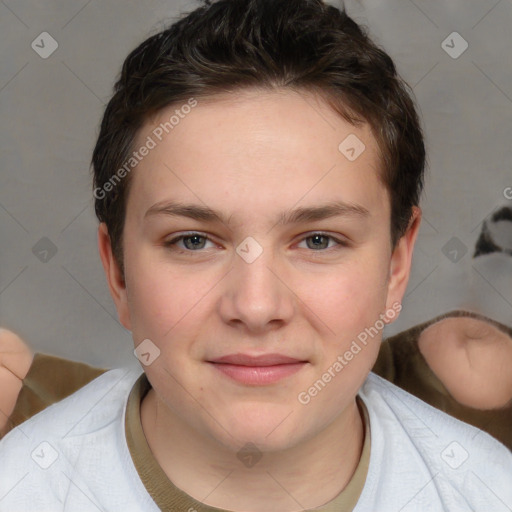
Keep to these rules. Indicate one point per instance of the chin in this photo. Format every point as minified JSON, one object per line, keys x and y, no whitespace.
{"x":264,"y":429}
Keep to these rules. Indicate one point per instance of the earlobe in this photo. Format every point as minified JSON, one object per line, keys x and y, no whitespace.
{"x":115,"y":279}
{"x":401,"y":259}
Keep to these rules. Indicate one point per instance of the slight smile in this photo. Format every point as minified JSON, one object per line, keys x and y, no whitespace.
{"x":257,"y":370}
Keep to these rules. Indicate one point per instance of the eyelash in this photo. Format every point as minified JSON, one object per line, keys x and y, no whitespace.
{"x":171,"y":244}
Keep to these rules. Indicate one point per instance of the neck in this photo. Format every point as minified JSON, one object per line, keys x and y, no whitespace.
{"x":297,"y":478}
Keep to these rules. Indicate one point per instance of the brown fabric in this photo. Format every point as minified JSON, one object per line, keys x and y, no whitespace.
{"x":170,"y":498}
{"x":49,"y":380}
{"x":401,"y":362}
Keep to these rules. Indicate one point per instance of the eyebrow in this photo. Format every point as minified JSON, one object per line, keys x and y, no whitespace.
{"x":295,"y":216}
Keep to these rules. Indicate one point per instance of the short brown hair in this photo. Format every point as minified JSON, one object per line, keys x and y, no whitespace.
{"x":227,"y":45}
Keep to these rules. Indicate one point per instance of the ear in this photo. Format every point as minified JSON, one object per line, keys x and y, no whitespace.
{"x":400,"y":264}
{"x":114,"y":276}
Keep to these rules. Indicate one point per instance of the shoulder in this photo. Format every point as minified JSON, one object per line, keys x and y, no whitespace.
{"x":41,"y":455}
{"x":83,"y":409}
{"x":462,"y":461}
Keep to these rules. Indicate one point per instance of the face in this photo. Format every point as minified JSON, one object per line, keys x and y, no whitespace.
{"x":258,"y":263}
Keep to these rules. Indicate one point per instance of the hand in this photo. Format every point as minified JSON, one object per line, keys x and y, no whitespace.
{"x":15,"y":361}
{"x":472,"y":358}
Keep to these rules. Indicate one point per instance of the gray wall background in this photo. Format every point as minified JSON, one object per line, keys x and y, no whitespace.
{"x":50,"y":109}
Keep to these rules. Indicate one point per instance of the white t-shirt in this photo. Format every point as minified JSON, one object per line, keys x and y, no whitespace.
{"x":73,"y":456}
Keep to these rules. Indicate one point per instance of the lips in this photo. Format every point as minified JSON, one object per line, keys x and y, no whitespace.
{"x":257,"y":370}
{"x":262,"y":360}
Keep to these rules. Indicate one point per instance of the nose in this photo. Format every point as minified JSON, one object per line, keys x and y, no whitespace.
{"x":255,"y":295}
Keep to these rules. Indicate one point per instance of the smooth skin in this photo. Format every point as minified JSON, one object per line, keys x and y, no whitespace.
{"x":253,"y":159}
{"x":292,"y":299}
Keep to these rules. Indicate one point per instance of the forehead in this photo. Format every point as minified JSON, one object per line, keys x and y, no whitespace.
{"x":254,"y":147}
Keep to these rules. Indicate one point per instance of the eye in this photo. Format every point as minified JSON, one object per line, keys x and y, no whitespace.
{"x":320,"y":241}
{"x":191,"y":242}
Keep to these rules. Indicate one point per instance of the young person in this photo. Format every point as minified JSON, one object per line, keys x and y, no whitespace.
{"x":257,"y":179}
{"x":457,"y":362}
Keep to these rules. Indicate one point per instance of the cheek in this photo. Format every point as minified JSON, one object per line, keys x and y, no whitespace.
{"x":349,"y":305}
{"x":157,"y":297}
{"x":167,"y":302}
{"x":347,"y":300}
